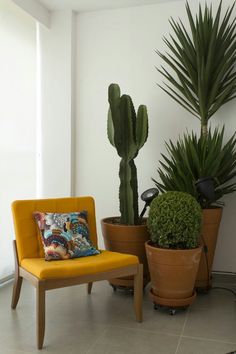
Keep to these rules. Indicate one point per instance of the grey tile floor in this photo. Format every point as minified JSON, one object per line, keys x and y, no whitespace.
{"x":103,"y":323}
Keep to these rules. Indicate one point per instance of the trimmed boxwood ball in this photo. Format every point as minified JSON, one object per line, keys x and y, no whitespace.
{"x":174,"y":221}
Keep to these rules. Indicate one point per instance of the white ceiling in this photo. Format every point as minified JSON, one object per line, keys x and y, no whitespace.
{"x":94,"y":5}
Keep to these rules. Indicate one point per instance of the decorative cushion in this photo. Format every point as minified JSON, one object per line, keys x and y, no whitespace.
{"x":65,"y":235}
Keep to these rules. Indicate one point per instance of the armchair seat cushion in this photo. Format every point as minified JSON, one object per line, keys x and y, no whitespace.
{"x":76,"y":267}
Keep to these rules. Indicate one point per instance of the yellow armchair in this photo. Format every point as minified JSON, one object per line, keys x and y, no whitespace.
{"x":31,"y":265}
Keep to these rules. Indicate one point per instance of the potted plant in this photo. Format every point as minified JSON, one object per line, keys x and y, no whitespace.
{"x":127,"y":132}
{"x":173,"y":252}
{"x":202,"y":80}
{"x":183,"y":165}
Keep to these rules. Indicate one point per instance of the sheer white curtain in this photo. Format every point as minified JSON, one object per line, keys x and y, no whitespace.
{"x":17,"y":120}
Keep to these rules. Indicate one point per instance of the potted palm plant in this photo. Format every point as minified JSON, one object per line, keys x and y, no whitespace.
{"x":202,"y":78}
{"x":173,"y":252}
{"x":127,"y":132}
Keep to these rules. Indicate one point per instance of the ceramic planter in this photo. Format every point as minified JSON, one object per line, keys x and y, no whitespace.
{"x":128,"y":239}
{"x":210,"y":228}
{"x":173,"y":274}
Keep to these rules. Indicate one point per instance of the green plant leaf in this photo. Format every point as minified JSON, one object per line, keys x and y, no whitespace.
{"x":200,"y":64}
{"x":193,"y":157}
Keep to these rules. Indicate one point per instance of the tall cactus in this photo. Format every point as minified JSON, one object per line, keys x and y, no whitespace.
{"x":127,"y":132}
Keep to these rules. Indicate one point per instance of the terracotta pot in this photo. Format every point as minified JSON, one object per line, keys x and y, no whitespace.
{"x":126,"y":239}
{"x":210,"y":228}
{"x":173,"y":274}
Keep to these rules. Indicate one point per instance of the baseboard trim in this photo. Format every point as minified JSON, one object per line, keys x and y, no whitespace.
{"x":7,"y":279}
{"x":224,"y":277}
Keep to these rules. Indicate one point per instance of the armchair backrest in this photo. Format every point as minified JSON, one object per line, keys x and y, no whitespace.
{"x":28,"y":240}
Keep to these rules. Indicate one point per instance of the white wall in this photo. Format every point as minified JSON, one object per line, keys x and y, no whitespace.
{"x":56,"y":102}
{"x":17,"y":120}
{"x":119,"y":46}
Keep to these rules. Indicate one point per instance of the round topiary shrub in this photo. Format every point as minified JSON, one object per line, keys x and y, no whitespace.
{"x":174,"y":221}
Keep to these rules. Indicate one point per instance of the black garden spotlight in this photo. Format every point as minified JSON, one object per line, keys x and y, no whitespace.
{"x":148,"y":197}
{"x":206,"y":189}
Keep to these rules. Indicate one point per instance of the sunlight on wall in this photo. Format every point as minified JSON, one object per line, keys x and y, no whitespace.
{"x":17,"y":119}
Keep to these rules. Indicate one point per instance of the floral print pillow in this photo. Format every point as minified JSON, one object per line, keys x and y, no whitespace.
{"x":64,"y":235}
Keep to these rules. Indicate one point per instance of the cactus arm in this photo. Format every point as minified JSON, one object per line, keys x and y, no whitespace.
{"x":127,"y":148}
{"x":114,"y":101}
{"x":114,"y":95}
{"x":141,"y":126}
{"x":110,"y":128}
{"x":133,"y":117}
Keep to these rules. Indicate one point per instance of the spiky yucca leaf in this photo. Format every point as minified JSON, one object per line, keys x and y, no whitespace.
{"x":202,"y":62}
{"x":193,"y":157}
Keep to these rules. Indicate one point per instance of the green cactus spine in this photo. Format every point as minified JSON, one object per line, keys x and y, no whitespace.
{"x":127,"y":132}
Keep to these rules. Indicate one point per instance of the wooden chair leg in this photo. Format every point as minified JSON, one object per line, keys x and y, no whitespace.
{"x":17,"y":281}
{"x":138,"y":293}
{"x":40,"y":313}
{"x":90,"y":287}
{"x":16,"y":291}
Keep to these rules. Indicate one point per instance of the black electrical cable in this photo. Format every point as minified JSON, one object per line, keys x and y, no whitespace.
{"x":205,"y":250}
{"x":222,"y":288}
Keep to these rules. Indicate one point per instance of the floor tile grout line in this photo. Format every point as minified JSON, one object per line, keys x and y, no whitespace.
{"x":98,"y":338}
{"x":181,"y":334}
{"x":209,"y":339}
{"x":145,"y":330}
